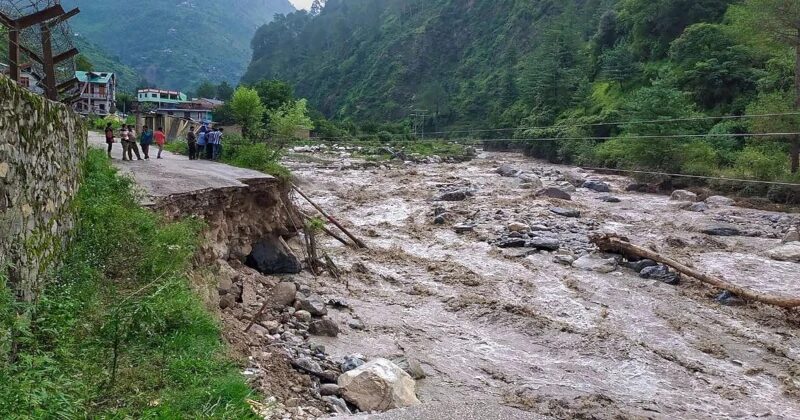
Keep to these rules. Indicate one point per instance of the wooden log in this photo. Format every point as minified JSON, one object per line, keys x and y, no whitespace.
{"x":615,"y":244}
{"x":329,"y":232}
{"x":357,"y":241}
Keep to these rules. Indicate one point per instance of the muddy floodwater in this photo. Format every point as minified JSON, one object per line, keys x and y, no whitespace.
{"x":514,"y":327}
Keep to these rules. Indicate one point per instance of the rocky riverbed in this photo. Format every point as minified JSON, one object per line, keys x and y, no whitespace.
{"x":481,"y":282}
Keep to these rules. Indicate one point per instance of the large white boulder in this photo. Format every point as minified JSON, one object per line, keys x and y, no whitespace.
{"x":379,"y":385}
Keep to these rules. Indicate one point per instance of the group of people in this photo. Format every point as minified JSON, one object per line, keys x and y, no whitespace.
{"x":206,"y":143}
{"x":128,"y":138}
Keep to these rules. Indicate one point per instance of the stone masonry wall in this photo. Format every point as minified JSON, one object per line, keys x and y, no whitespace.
{"x":42,"y":145}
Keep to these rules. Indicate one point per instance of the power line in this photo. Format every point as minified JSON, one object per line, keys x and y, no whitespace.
{"x":546,"y":139}
{"x":562,"y":125}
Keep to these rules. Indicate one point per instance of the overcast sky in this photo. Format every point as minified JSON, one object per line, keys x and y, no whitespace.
{"x":302,"y":4}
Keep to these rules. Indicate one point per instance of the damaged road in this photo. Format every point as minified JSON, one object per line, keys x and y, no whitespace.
{"x":489,"y":281}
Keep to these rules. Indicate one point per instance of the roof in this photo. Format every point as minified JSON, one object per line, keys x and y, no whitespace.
{"x":94,"y":76}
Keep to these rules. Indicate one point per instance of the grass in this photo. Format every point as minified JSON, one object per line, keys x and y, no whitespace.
{"x":117,"y":332}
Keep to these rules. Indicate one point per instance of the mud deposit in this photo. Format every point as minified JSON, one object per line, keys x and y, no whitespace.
{"x":513,"y":327}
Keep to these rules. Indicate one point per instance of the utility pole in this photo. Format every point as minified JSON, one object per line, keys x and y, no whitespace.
{"x":418,"y":120}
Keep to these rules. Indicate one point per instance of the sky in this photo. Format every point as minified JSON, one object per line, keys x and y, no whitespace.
{"x":302,"y":4}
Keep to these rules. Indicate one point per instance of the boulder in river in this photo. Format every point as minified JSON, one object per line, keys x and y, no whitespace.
{"x":324,"y":327}
{"x":698,"y":207}
{"x":595,"y":263}
{"x":566,"y":212}
{"x":351,"y":362}
{"x":787,"y":252}
{"x":640,"y":265}
{"x":791,"y":236}
{"x":531,"y":181}
{"x":507,"y":171}
{"x":720,"y":230}
{"x":271,"y":256}
{"x":609,"y":199}
{"x":544,"y":244}
{"x":283,"y":294}
{"x":597,"y":186}
{"x":683,"y":195}
{"x":719,"y":201}
{"x":729,"y":299}
{"x":517,"y":227}
{"x":313,"y":304}
{"x":554,"y":192}
{"x":660,"y":273}
{"x":460,"y":194}
{"x":512,"y":243}
{"x":379,"y":385}
{"x":575,"y":178}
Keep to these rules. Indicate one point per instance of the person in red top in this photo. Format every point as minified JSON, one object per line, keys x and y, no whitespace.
{"x":161,"y":140}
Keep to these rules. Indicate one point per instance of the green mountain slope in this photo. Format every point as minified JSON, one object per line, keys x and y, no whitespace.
{"x":177,"y":44}
{"x":379,"y":59}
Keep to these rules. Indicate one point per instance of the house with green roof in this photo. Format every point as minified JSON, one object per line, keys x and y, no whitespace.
{"x":98,"y":93}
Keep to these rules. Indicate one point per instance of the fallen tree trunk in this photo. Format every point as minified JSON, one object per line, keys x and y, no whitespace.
{"x":357,"y":241}
{"x":618,"y":245}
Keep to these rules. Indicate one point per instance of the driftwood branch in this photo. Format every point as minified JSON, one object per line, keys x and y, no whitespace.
{"x":329,"y":232}
{"x":615,"y":244}
{"x":357,"y":241}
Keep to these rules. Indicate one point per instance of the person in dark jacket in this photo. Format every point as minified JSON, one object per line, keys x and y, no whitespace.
{"x":191,"y":140}
{"x":146,"y":140}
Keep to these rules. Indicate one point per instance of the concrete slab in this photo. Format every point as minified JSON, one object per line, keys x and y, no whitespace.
{"x":176,"y":174}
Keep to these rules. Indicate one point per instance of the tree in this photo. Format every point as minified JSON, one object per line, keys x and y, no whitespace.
{"x":655,"y":23}
{"x":779,"y":22}
{"x":247,"y":109}
{"x":286,"y":120}
{"x":82,"y":63}
{"x":206,"y":90}
{"x":274,"y":93}
{"x":124,"y":102}
{"x":710,"y":65}
{"x":224,"y":91}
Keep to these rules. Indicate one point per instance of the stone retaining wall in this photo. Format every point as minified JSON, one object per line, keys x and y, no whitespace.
{"x":42,"y":145}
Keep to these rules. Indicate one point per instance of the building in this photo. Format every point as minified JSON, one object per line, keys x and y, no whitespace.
{"x":98,"y":93}
{"x":160,"y":99}
{"x":28,"y":78}
{"x":200,"y":110}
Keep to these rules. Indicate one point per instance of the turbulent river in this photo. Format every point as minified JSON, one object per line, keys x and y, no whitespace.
{"x":514,"y":327}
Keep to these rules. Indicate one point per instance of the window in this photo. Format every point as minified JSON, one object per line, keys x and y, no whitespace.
{"x":25,"y":81}
{"x":102,"y":107}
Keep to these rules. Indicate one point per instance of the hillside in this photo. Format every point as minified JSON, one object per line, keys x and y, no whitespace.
{"x":128,"y":78}
{"x":378,"y":59}
{"x":589,"y":67}
{"x":177,"y":44}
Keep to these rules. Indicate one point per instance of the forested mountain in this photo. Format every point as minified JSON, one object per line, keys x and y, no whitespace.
{"x":176,"y":44}
{"x":379,"y":59}
{"x":584,"y":68}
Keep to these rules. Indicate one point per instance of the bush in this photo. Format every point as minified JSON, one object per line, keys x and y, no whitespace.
{"x":118,"y":331}
{"x":764,"y":162}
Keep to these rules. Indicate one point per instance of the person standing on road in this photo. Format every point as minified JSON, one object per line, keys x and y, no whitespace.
{"x":215,"y":143}
{"x":210,"y":139}
{"x":123,"y":137}
{"x":201,"y":142}
{"x":191,"y":141}
{"x":109,"y":138}
{"x":161,"y":140}
{"x":145,"y":141}
{"x":132,"y":146}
